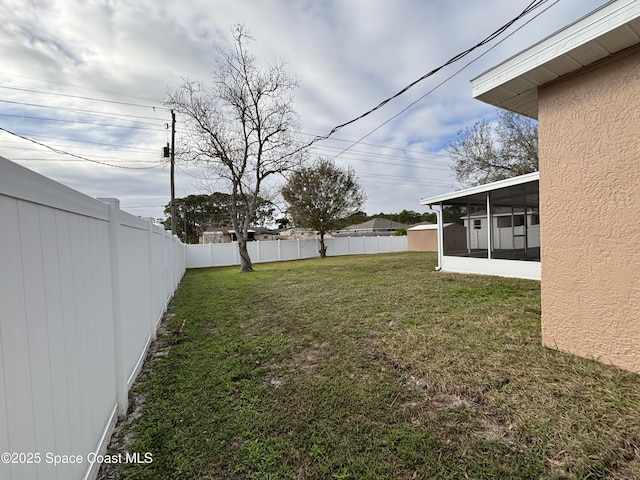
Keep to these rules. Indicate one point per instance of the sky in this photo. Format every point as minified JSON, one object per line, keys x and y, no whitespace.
{"x":90,"y":78}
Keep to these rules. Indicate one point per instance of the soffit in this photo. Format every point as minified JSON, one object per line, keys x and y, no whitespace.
{"x":513,"y":85}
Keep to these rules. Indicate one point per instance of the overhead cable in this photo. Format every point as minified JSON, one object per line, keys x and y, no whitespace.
{"x":63,"y":152}
{"x":29,"y":90}
{"x":110,"y":115}
{"x":444,"y":81}
{"x":84,"y":122}
{"x":532,"y":6}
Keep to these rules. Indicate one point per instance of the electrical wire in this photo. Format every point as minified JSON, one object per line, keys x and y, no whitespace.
{"x":124,"y":147}
{"x":368,"y":156}
{"x":66,"y":95}
{"x":63,"y":152}
{"x":385,"y":146}
{"x":109,"y":115}
{"x":446,"y":80}
{"x":83,"y":88}
{"x":532,"y":6}
{"x":48,"y":119}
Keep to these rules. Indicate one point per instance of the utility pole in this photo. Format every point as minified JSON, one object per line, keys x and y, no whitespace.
{"x":173,"y":161}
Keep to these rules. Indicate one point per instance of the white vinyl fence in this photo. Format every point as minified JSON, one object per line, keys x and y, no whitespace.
{"x":83,"y":287}
{"x":224,"y":254}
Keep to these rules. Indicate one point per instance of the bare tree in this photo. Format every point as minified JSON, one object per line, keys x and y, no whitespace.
{"x":485,"y":153}
{"x":320,"y":195}
{"x":243,"y":129}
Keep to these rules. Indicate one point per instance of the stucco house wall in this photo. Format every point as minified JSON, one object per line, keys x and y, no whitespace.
{"x":589,"y":130}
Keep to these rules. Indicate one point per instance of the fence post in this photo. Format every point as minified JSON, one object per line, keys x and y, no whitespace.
{"x":152,"y":320}
{"x":163,"y":254}
{"x":114,"y":248}
{"x":279,"y":251}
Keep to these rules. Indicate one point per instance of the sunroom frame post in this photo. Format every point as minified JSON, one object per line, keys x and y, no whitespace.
{"x":489,"y":227}
{"x":469,"y":229}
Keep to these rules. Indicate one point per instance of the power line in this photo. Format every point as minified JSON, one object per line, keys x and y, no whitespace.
{"x":109,"y":157}
{"x":63,"y":152}
{"x":532,"y":6}
{"x":110,"y":115}
{"x":191,"y":174}
{"x":368,"y":156}
{"x":29,"y":90}
{"x":137,"y":149}
{"x":446,"y":79}
{"x":48,"y":119}
{"x":81,"y":87}
{"x":386,"y":146}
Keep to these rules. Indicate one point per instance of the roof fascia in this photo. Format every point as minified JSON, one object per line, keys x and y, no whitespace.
{"x":487,"y":187}
{"x":599,"y":22}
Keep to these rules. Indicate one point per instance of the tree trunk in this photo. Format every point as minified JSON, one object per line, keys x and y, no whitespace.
{"x":245,"y":259}
{"x":323,"y":247}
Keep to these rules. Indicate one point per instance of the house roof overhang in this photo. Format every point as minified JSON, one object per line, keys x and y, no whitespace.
{"x":513,"y":85}
{"x":516,"y":191}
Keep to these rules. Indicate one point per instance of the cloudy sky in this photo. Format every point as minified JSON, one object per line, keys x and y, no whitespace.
{"x":89,"y":77}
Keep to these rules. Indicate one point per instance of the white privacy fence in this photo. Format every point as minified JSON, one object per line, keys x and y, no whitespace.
{"x":224,"y":254}
{"x":83,"y":286}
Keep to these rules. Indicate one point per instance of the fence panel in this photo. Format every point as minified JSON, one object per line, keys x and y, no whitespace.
{"x":338,"y":246}
{"x":308,"y":248}
{"x":268,"y":251}
{"x":135,"y":285}
{"x":224,"y":254}
{"x":158,"y":294}
{"x":20,"y":425}
{"x":58,"y":342}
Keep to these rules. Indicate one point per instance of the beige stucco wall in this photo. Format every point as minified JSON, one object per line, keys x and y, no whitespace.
{"x":589,"y":133}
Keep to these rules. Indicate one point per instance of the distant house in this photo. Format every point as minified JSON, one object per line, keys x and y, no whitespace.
{"x":581,"y":84}
{"x":375,"y":226}
{"x":224,"y":235}
{"x":297,"y":234}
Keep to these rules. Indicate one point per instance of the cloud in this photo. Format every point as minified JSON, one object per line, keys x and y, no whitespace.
{"x":347,"y":56}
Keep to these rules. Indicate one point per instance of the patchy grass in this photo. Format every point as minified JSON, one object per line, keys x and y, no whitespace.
{"x":372,"y":367}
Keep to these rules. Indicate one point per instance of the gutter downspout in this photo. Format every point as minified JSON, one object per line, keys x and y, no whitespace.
{"x":440,"y":235}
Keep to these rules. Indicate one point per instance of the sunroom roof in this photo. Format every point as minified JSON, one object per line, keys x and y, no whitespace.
{"x":513,"y":85}
{"x":517,"y":191}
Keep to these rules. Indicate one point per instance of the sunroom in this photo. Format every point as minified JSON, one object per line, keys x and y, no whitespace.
{"x":502,"y":228}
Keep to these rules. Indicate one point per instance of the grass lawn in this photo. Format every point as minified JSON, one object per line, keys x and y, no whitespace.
{"x":371,"y":367}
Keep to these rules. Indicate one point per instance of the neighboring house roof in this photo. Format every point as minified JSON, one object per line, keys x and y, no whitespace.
{"x":521,"y":190}
{"x":376,"y":224}
{"x":513,"y":85}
